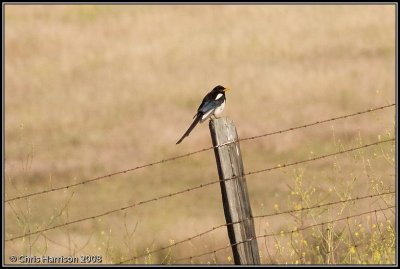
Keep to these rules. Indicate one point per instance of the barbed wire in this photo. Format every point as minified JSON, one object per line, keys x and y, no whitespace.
{"x":197,"y":187}
{"x":106,"y":176}
{"x":317,"y":122}
{"x":193,"y":153}
{"x":257,"y":216}
{"x":283,"y":232}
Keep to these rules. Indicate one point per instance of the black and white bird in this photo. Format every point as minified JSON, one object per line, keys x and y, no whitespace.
{"x":212,"y":105}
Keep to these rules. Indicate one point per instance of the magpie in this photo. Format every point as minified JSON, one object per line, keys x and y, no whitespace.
{"x":212,"y":104}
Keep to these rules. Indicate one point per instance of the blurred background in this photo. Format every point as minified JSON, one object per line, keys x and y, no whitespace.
{"x":95,"y":89}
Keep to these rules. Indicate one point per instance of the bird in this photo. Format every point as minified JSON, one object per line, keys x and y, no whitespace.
{"x":212,"y":105}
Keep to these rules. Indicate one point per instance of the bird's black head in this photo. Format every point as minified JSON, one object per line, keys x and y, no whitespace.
{"x":220,"y":89}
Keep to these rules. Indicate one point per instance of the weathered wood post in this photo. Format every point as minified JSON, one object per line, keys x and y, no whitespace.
{"x":235,"y":197}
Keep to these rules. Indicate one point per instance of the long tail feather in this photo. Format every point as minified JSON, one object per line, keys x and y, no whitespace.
{"x":196,"y":120}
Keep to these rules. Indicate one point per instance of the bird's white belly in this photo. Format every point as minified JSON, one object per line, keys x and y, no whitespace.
{"x":218,"y":110}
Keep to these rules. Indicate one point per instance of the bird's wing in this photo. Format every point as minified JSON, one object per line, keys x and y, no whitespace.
{"x":209,"y":102}
{"x":206,"y":108}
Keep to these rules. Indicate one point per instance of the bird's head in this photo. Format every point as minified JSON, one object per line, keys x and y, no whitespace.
{"x":220,"y":89}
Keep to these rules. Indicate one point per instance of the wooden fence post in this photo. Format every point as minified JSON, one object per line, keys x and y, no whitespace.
{"x":235,"y":197}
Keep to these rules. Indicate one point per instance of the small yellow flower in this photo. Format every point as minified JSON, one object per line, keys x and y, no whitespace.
{"x":376,"y":256}
{"x":352,"y":250}
{"x":229,"y":258}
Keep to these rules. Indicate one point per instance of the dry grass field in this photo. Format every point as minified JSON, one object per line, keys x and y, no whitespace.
{"x":92,"y":90}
